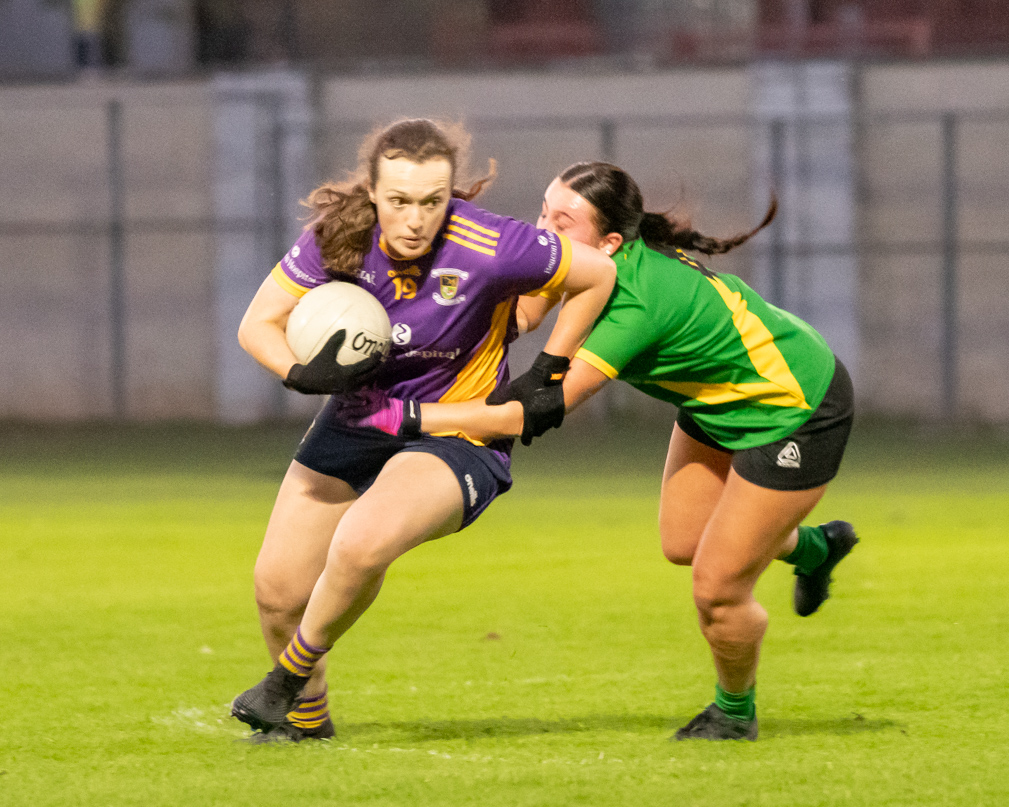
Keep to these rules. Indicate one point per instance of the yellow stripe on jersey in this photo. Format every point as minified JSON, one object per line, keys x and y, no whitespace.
{"x":762,"y":392}
{"x":601,"y":365}
{"x":474,"y":226}
{"x":473,"y":236}
{"x":477,"y":247}
{"x":782,"y":388}
{"x":554,"y":295}
{"x":286,"y":283}
{"x":479,"y":377}
{"x":562,"y":270}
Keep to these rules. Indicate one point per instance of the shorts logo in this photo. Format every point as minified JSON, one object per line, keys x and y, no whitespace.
{"x":472,"y":490}
{"x":401,"y":333}
{"x":789,"y":456}
{"x":448,"y":286}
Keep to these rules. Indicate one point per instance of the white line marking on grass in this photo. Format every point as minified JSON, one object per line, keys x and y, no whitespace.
{"x":193,"y":718}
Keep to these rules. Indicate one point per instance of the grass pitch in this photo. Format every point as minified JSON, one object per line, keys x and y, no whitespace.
{"x":541,"y":657}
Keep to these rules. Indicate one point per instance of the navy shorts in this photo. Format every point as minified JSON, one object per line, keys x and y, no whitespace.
{"x":357,"y":456}
{"x":807,"y":458}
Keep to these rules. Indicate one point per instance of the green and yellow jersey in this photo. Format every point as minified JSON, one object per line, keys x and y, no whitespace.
{"x":746,"y":371}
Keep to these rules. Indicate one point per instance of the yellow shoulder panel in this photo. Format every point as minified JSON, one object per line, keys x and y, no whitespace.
{"x":286,"y":283}
{"x":562,"y":270}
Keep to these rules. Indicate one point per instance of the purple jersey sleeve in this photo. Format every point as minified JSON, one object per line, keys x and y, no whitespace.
{"x":302,"y":268}
{"x":526,"y":259}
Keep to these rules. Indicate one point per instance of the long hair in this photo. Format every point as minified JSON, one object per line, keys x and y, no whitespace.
{"x":619,"y":208}
{"x":343,"y":216}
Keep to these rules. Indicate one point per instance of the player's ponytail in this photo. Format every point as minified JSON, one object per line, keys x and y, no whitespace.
{"x":665,"y":232}
{"x":343,"y":215}
{"x":619,"y":208}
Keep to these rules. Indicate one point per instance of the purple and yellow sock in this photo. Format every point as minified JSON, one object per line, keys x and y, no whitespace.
{"x":299,"y":657}
{"x":311,"y":712}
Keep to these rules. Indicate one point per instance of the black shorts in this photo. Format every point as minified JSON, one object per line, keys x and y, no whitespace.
{"x":357,"y":456}
{"x":807,"y":458}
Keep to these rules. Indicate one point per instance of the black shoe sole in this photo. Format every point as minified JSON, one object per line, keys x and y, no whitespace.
{"x":250,"y":718}
{"x":713,"y":724}
{"x":287,"y":732}
{"x":279,"y":688}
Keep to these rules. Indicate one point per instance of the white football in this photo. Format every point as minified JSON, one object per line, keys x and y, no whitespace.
{"x":334,"y":306}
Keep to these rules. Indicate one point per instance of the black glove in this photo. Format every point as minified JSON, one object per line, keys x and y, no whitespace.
{"x":542,"y":409}
{"x":323,"y":376}
{"x":547,"y":371}
{"x":540,"y":392}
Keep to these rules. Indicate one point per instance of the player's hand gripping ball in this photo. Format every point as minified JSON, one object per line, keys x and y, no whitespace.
{"x":339,"y":333}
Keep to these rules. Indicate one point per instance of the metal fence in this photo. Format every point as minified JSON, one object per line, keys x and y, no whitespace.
{"x":109,"y":308}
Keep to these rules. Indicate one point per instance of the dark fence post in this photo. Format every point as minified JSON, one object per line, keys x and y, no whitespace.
{"x":274,"y":208}
{"x":950,"y":262}
{"x":607,"y":140}
{"x":117,"y":273}
{"x":776,"y":268}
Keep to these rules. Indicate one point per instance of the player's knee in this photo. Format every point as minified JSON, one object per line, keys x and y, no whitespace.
{"x":710,"y":608}
{"x":714,"y":595}
{"x":363,"y":557}
{"x":277,"y":598}
{"x":677,"y":553}
{"x":678,"y":544}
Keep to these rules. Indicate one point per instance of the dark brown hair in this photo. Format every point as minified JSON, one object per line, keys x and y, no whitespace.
{"x":343,"y":215}
{"x":619,"y":208}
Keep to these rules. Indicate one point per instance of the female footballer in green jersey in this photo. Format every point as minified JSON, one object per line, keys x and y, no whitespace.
{"x":765,"y":410}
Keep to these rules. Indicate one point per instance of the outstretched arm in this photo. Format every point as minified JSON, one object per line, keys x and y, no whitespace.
{"x":484,"y":422}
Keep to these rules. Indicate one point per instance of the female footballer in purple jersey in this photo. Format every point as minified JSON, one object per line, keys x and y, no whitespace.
{"x":765,"y":413}
{"x":355,"y":499}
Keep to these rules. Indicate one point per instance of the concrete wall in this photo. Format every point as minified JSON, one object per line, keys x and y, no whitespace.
{"x":55,"y":259}
{"x":685,"y":135}
{"x":901,"y":162}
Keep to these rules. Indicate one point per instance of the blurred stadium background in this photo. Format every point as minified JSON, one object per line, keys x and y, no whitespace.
{"x":153,"y":152}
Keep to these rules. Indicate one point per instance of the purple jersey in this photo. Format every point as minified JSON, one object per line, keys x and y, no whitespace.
{"x":451,"y":309}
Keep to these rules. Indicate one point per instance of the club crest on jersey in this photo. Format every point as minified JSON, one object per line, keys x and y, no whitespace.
{"x":448,"y":286}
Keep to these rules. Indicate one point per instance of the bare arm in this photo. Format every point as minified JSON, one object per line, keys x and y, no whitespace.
{"x":261,"y":333}
{"x":588,"y":285}
{"x":484,"y":422}
{"x":581,"y":383}
{"x":532,"y":310}
{"x":474,"y":418}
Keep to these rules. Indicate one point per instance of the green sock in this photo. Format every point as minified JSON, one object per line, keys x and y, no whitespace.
{"x":742,"y":706}
{"x":810,"y":551}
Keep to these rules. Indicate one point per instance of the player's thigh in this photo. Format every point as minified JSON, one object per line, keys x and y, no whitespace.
{"x":744,"y":534}
{"x":692,"y":484}
{"x":305,"y":516}
{"x":416,"y":498}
